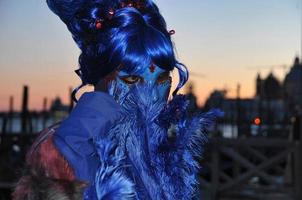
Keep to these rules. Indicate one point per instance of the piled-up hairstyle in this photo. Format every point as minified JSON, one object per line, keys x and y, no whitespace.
{"x":116,"y":34}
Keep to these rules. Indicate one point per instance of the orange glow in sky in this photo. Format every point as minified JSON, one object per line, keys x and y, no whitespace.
{"x":218,"y":39}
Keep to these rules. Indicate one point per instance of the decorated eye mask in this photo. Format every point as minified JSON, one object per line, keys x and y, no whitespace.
{"x":157,"y":80}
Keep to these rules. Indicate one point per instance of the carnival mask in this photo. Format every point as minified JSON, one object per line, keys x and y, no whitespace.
{"x":155,"y":82}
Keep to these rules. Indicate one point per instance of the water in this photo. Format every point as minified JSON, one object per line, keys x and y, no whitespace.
{"x":38,"y":124}
{"x":228,"y":130}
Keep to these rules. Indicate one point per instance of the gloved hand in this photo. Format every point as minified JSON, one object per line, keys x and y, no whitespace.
{"x":93,"y":116}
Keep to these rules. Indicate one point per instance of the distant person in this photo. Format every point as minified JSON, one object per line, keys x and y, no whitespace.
{"x":124,"y":140}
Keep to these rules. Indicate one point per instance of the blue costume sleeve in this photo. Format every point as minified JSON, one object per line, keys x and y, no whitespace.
{"x":94,"y":114}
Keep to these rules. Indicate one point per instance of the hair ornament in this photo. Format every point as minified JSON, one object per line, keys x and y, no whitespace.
{"x":98,"y":24}
{"x":172,"y":32}
{"x":111,"y":12}
{"x":136,"y":4}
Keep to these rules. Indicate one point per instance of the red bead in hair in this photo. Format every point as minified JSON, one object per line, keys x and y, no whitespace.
{"x":98,"y":24}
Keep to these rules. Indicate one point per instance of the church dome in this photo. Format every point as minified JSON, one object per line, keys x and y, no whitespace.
{"x":272,"y":87}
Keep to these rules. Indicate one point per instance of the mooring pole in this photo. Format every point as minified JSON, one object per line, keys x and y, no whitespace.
{"x":11,"y":114}
{"x":24,"y":113}
{"x":298,"y":160}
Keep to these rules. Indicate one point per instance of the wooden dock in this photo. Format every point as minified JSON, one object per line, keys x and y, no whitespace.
{"x":253,"y":168}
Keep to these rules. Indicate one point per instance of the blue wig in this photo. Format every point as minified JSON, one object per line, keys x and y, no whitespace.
{"x":131,"y":39}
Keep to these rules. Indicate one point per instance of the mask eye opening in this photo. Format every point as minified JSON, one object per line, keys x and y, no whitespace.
{"x":131,"y":79}
{"x":163,"y":78}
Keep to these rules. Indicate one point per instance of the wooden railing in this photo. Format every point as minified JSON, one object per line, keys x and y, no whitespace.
{"x":257,"y":168}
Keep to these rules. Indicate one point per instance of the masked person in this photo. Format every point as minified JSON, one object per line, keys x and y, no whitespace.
{"x":124,"y":140}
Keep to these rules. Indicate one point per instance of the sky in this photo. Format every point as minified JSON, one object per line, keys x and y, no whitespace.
{"x":226,"y":41}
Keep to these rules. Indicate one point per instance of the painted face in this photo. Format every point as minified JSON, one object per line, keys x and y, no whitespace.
{"x":155,"y":81}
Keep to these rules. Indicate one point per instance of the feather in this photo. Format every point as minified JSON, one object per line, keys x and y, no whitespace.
{"x":174,"y":110}
{"x":157,"y":166}
{"x":110,"y":180}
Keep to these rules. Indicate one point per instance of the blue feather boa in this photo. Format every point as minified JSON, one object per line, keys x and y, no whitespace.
{"x":150,"y":154}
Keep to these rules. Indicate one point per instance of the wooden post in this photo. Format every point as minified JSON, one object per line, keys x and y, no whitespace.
{"x":236,"y":169}
{"x":30,"y":122}
{"x":298,"y":163}
{"x":71,"y":103}
{"x":24,"y":113}
{"x":44,"y":112}
{"x":10,"y":114}
{"x":4,"y":123}
{"x":236,"y":166}
{"x":238,"y":110}
{"x":215,"y":172}
{"x":44,"y":109}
